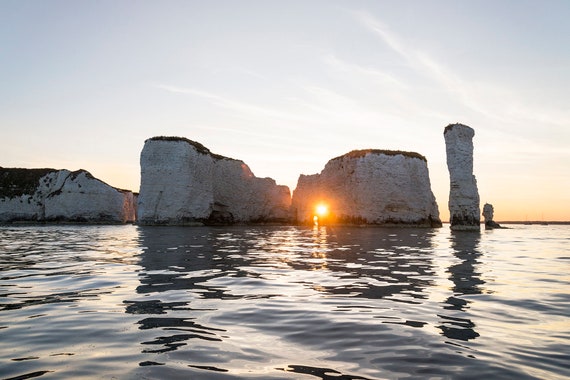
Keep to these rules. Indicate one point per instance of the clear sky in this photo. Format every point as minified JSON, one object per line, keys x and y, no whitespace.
{"x":287,"y":85}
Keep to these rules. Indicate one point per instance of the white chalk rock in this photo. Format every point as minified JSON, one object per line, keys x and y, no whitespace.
{"x":182,"y":182}
{"x":463,"y":194}
{"x":78,"y":196}
{"x":20,"y":199}
{"x":369,"y":187}
{"x":39,"y":195}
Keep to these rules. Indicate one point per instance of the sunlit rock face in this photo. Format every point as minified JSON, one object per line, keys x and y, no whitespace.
{"x":182,"y":182}
{"x":463,"y":194}
{"x":49,"y":195}
{"x":369,"y":187}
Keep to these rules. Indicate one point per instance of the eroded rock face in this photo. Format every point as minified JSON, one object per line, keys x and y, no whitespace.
{"x":370,"y":187}
{"x":488,"y":212}
{"x":45,"y":195}
{"x":182,"y":182}
{"x":463,"y":195}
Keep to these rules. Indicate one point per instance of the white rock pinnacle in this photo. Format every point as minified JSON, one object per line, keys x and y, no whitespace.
{"x":463,"y":194}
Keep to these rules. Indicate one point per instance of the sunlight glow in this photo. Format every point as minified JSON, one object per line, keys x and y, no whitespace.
{"x":322,"y":209}
{"x":321,"y":212}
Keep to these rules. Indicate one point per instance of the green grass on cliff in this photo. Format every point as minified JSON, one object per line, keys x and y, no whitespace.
{"x":451,"y":126}
{"x":364,"y":152}
{"x":15,"y":182}
{"x":199,"y":147}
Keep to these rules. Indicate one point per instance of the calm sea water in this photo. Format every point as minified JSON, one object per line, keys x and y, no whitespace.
{"x":128,"y":302}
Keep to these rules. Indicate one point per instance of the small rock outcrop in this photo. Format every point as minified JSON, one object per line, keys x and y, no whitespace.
{"x":182,"y":182}
{"x":371,"y":186}
{"x":50,"y":195}
{"x":463,"y":194}
{"x":488,"y":212}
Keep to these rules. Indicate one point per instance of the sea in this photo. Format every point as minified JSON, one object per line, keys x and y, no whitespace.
{"x":284,"y":302}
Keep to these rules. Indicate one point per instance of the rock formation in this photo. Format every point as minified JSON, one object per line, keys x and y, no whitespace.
{"x":370,"y":187}
{"x":50,"y":195}
{"x":488,"y":212}
{"x":182,"y":182}
{"x":463,"y":194}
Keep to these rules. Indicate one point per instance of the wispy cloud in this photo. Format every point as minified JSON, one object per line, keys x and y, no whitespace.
{"x":425,"y":65}
{"x":374,"y":74}
{"x":416,"y":59}
{"x":316,"y":106}
{"x":382,"y":30}
{"x":244,"y":108}
{"x":491,"y":100}
{"x":335,"y":108}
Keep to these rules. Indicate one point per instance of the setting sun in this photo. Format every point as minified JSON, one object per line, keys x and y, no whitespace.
{"x":322,"y":210}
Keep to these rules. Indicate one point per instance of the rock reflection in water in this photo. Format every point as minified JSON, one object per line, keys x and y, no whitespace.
{"x":189,"y":274}
{"x":185,"y":329}
{"x":176,"y":261}
{"x":322,"y":373}
{"x":282,"y":302}
{"x":376,"y":263}
{"x":467,"y":281}
{"x":372,"y":263}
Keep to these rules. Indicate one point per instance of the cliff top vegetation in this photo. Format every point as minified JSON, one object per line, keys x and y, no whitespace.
{"x":364,"y":152}
{"x":15,"y":182}
{"x":450,"y":127}
{"x":199,"y":147}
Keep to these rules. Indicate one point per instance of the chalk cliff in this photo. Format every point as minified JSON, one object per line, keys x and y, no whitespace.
{"x":370,"y":187}
{"x":182,"y":182}
{"x":44,"y":195}
{"x":463,"y":194}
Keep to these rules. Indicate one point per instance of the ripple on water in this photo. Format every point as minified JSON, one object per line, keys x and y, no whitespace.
{"x":283,"y":303}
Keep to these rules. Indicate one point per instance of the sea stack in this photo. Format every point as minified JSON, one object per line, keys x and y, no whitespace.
{"x":488,"y":212}
{"x":463,"y":194}
{"x":50,"y":195}
{"x":183,"y":183}
{"x":377,"y":187}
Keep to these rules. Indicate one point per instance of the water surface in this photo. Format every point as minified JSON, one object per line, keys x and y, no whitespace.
{"x":132,"y":302}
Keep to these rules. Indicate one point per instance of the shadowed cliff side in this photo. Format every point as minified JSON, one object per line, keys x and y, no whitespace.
{"x":374,"y":187}
{"x":183,"y":183}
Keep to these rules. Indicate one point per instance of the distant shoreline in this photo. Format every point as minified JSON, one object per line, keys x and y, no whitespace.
{"x":535,"y":222}
{"x":532,"y":222}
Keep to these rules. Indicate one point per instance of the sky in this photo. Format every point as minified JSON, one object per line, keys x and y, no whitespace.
{"x":286,"y":86}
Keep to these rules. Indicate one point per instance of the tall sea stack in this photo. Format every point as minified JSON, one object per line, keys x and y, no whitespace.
{"x":464,"y":212}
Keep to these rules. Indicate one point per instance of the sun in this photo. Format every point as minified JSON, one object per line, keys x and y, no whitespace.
{"x":322,"y":210}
